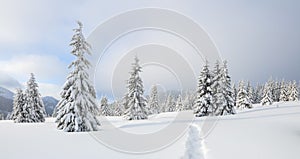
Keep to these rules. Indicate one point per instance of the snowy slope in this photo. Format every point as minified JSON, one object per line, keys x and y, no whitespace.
{"x":268,"y":132}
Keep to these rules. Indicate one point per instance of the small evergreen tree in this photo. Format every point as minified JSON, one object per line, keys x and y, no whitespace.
{"x":117,"y":108}
{"x":153,"y":105}
{"x":249,"y":90}
{"x":267,"y":95}
{"x":243,"y":100}
{"x":77,"y":110}
{"x":188,"y":101}
{"x":136,"y":101}
{"x":179,"y":105}
{"x":33,"y":102}
{"x":257,"y":94}
{"x":277,"y":91}
{"x":18,"y":105}
{"x":284,"y":96}
{"x":170,"y":104}
{"x":204,"y":105}
{"x":293,"y":91}
{"x":105,"y":110}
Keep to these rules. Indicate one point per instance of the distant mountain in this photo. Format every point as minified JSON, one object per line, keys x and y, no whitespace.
{"x":50,"y":104}
{"x":6,"y":102}
{"x":6,"y":93}
{"x":6,"y":105}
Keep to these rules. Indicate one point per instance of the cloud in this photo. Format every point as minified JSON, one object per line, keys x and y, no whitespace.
{"x":47,"y":89}
{"x":45,"y":67}
{"x":32,"y":20}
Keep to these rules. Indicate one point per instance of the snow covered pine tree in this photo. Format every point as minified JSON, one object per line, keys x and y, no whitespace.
{"x":267,"y":95}
{"x":293,"y":91}
{"x":169,"y":104}
{"x":284,"y":96}
{"x":105,"y":110}
{"x":34,"y":105}
{"x":136,"y":101}
{"x":153,"y":105}
{"x":204,"y":105}
{"x":77,"y":110}
{"x":222,"y":91}
{"x":18,"y":114}
{"x":243,"y":100}
{"x":227,"y":106}
{"x":179,"y":105}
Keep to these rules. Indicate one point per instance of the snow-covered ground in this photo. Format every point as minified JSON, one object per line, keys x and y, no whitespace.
{"x":264,"y":132}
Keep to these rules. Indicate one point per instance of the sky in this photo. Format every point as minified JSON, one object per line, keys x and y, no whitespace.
{"x":258,"y":38}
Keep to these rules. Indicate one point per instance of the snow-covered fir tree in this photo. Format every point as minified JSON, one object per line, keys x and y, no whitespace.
{"x":227,"y":106}
{"x":276,"y":91}
{"x":194,"y":146}
{"x":153,"y":105}
{"x":204,"y":105}
{"x":170,"y":105}
{"x":271,"y":85}
{"x":118,"y":108}
{"x":18,"y":114}
{"x":243,"y":101}
{"x":284,"y":95}
{"x":257,"y":94}
{"x":77,"y":109}
{"x":136,"y":101}
{"x":249,"y":90}
{"x":105,"y":110}
{"x":189,"y":101}
{"x":267,"y":95}
{"x":218,"y":98}
{"x":33,"y":102}
{"x":179,"y":104}
{"x":234,"y":93}
{"x":2,"y":116}
{"x":293,"y":91}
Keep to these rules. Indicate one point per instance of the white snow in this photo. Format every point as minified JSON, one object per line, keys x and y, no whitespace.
{"x":264,"y":132}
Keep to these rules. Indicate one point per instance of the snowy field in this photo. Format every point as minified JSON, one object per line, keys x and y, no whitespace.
{"x":265,"y":132}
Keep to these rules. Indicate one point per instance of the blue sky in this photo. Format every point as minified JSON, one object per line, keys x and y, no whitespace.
{"x":259,"y":38}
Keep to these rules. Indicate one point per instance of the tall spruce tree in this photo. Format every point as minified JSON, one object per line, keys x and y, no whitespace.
{"x":77,"y":109}
{"x":227,"y":106}
{"x":153,"y":101}
{"x":33,"y":102}
{"x":136,"y":100}
{"x":243,"y":100}
{"x":18,"y":114}
{"x":204,"y":105}
{"x":218,"y":98}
